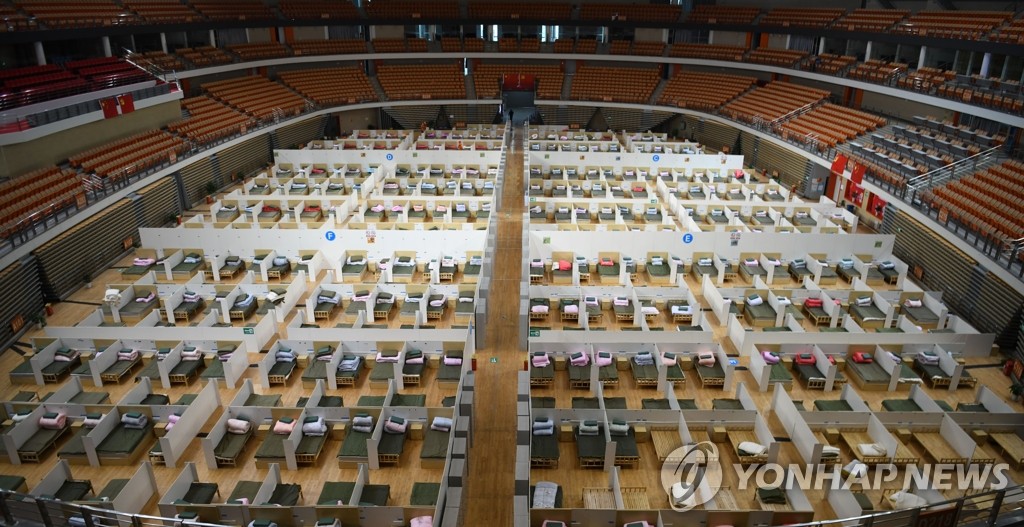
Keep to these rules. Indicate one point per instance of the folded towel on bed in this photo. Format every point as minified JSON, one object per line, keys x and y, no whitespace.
{"x":540,"y":360}
{"x":644,"y":358}
{"x":441,"y":424}
{"x":649,"y":310}
{"x":905,"y":500}
{"x":754,"y":300}
{"x":913,"y":302}
{"x":539,"y":309}
{"x":262,"y":523}
{"x":589,"y":430}
{"x":53,"y":421}
{"x":349,"y":363}
{"x":571,"y":308}
{"x":829,"y":451}
{"x":134,"y":420}
{"x":284,"y":426}
{"x":927,"y":358}
{"x":451,"y":361}
{"x":128,"y":355}
{"x":769,"y":357}
{"x":91,"y":420}
{"x":682,"y":310}
{"x":191,"y":354}
{"x":146,"y":298}
{"x":620,"y":301}
{"x":704,"y":262}
{"x":362,"y":420}
{"x":871,"y":449}
{"x":750,"y":448}
{"x":706,"y":359}
{"x":863,"y":301}
{"x":604,"y":358}
{"x":386,"y":358}
{"x":579,"y":359}
{"x":668,"y":359}
{"x":284,"y":355}
{"x":395,"y":425}
{"x":315,"y":428}
{"x":618,"y":429}
{"x":887,"y":265}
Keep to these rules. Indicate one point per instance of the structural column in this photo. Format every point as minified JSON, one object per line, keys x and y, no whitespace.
{"x":921,"y":57}
{"x":106,"y":46}
{"x":867,"y":52}
{"x":986,"y":63}
{"x":213,"y":38}
{"x":163,"y":42}
{"x":40,"y":54}
{"x":821,"y":45}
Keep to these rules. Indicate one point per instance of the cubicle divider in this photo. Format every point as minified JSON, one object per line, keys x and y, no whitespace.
{"x":176,"y":441}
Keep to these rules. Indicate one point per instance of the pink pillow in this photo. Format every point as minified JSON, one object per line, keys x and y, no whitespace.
{"x":563,"y":265}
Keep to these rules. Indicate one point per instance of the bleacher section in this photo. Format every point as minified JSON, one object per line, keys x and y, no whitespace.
{"x":55,"y":14}
{"x":204,"y":56}
{"x":257,"y":96}
{"x":707,"y":51}
{"x":830,"y":124}
{"x":318,"y":9}
{"x":635,"y":12}
{"x":34,"y":84}
{"x":519,"y":10}
{"x":703,"y":91}
{"x":233,"y":10}
{"x":786,"y":58}
{"x":331,"y":86}
{"x":987,"y":201}
{"x":106,"y":72}
{"x":159,"y":59}
{"x":328,"y":47}
{"x":716,"y":14}
{"x":163,"y":11}
{"x":647,"y":49}
{"x":487,"y":79}
{"x":209,"y":120}
{"x":1012,"y":33}
{"x":422,"y":81}
{"x":876,"y":20}
{"x":437,"y":9}
{"x":953,"y":24}
{"x":22,"y":196}
{"x":774,"y":101}
{"x":801,"y":17}
{"x":260,"y":50}
{"x":879,"y":71}
{"x":128,"y":156}
{"x":832,"y":64}
{"x":599,"y":83}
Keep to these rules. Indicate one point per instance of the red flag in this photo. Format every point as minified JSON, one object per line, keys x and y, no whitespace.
{"x":858,"y":173}
{"x":109,"y":107}
{"x":126,"y":102}
{"x":839,"y":165}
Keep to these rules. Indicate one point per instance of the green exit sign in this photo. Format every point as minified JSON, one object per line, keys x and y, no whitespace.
{"x":249,"y":331}
{"x":534,"y":332}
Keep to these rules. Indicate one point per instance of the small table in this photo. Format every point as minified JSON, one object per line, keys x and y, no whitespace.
{"x":643,"y":435}
{"x":416,"y":431}
{"x":840,"y":363}
{"x":264,"y":429}
{"x":565,"y":433}
{"x":686,"y":362}
{"x":904,"y":434}
{"x":980,"y":436}
{"x":719,"y":434}
{"x":560,"y":363}
{"x":832,"y":435}
{"x":621,"y":363}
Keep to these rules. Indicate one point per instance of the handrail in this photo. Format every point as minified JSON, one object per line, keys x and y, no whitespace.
{"x":14,"y":507}
{"x":914,"y":182}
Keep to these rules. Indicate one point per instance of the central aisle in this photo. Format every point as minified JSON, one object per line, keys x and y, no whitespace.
{"x":492,"y":458}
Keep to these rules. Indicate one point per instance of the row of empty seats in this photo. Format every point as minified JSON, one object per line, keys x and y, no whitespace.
{"x":832,"y":64}
{"x":204,"y":56}
{"x":787,"y":58}
{"x":22,"y":196}
{"x":703,"y":91}
{"x":610,"y":84}
{"x":515,"y":45}
{"x":953,"y":24}
{"x":455,"y":44}
{"x":801,"y":17}
{"x":422,"y":81}
{"x":163,"y":11}
{"x":874,"y":20}
{"x":642,"y":48}
{"x":830,"y":124}
{"x":35,"y":84}
{"x":989,"y":201}
{"x":209,"y":120}
{"x":260,"y":50}
{"x":128,"y":156}
{"x":520,"y":10}
{"x":773,"y":101}
{"x":634,"y":12}
{"x":257,"y":96}
{"x":318,"y":9}
{"x":443,"y":9}
{"x":224,"y":10}
{"x":331,"y":86}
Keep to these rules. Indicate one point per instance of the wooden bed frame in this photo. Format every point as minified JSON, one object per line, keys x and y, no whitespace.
{"x":36,"y":457}
{"x":738,"y":436}
{"x":819,"y":320}
{"x":852,"y":438}
{"x":1011,"y":445}
{"x":938,"y":448}
{"x":665,"y":442}
{"x":117,"y":378}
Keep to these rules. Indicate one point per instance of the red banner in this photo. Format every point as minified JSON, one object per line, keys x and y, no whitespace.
{"x":109,"y":107}
{"x":857,"y":176}
{"x":126,"y":102}
{"x":518,"y":82}
{"x":839,"y":165}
